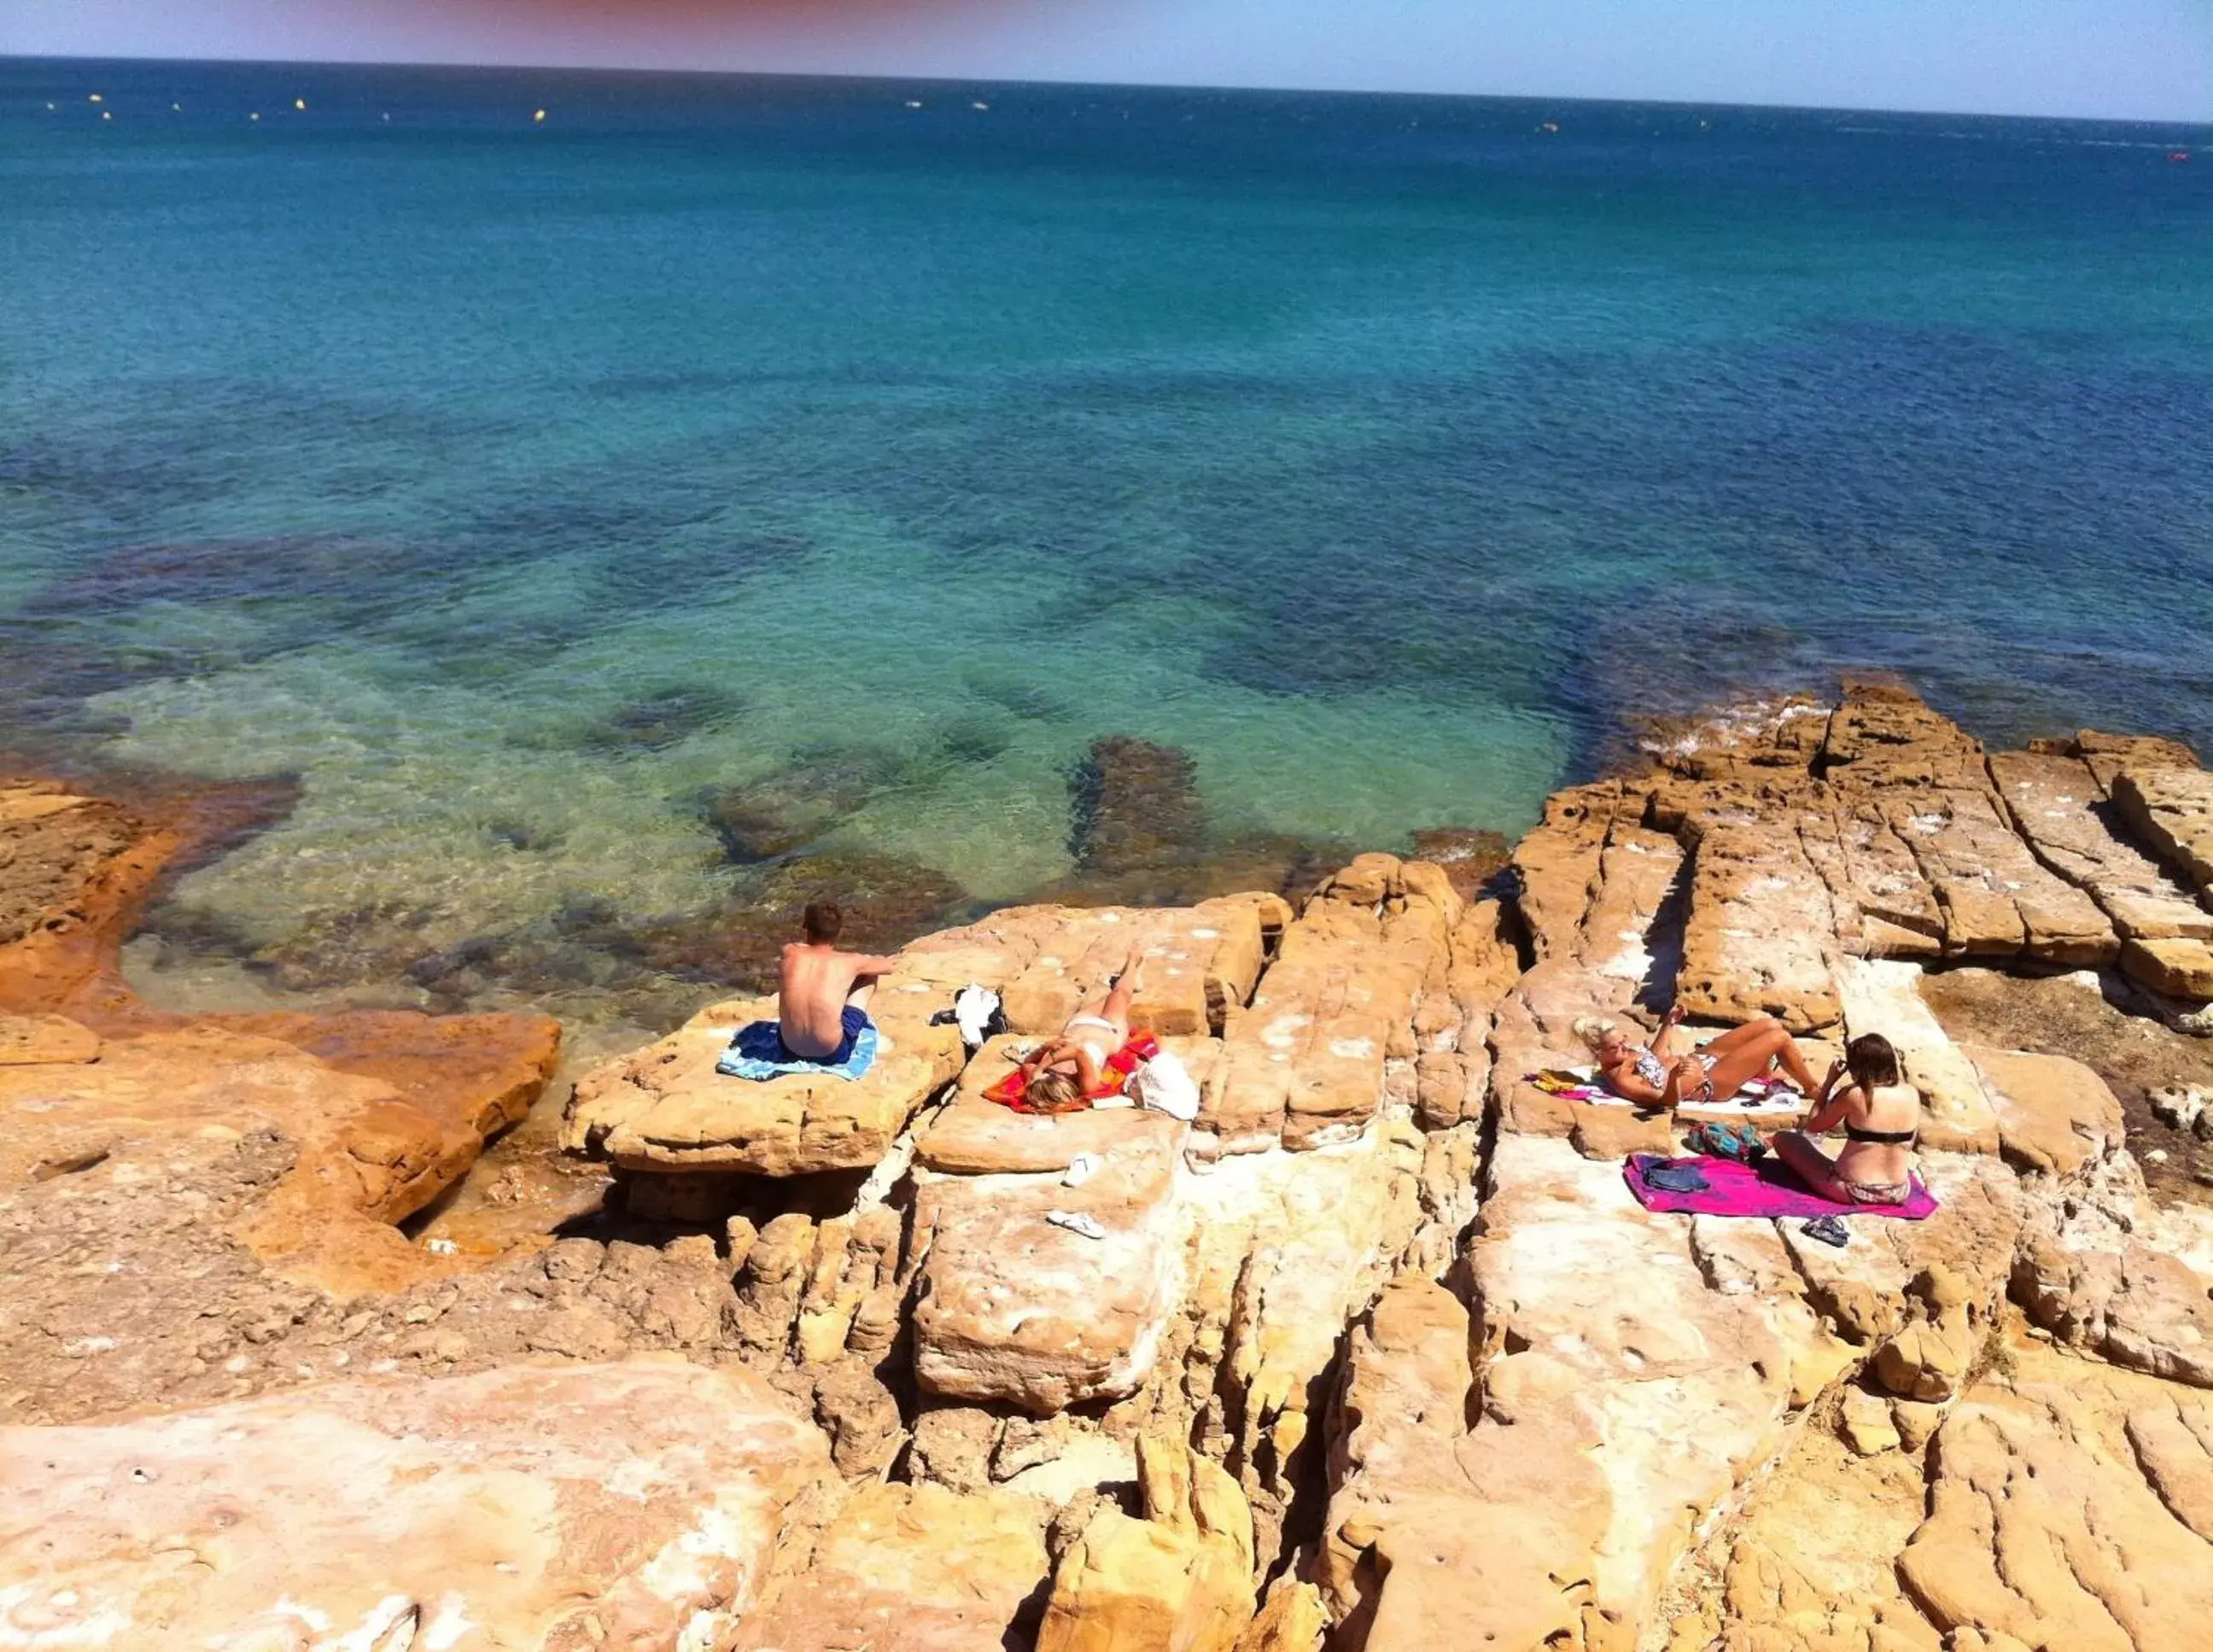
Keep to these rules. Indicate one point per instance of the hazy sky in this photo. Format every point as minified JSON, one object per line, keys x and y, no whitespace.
{"x":2147,"y":58}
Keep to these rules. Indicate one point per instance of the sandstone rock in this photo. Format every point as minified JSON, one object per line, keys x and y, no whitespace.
{"x":1930,"y":1357}
{"x":381,"y":1111}
{"x":1884,"y":736}
{"x":76,"y":867}
{"x":1885,"y":905}
{"x":2109,"y":1272}
{"x":1090,"y":1472}
{"x":1811,"y":1563}
{"x":1200,"y":963}
{"x":1453,"y":1021}
{"x":953,"y":1446}
{"x":2059,"y":807}
{"x":1556,"y":866}
{"x":1307,"y":1058}
{"x":1899,"y":849}
{"x":2041,"y":1526}
{"x":910,"y":1568}
{"x":480,"y":1073}
{"x":1179,"y":1579}
{"x":46,"y":1040}
{"x":2174,"y":1449}
{"x":1760,"y":937}
{"x":1016,"y":1306}
{"x":1404,"y":1404}
{"x":2071,"y":1016}
{"x":2107,"y":754}
{"x":1866,"y":1288}
{"x":2174,"y":966}
{"x":2173,"y":808}
{"x":1339,"y":1221}
{"x":1865,"y":1425}
{"x":1916,"y":1421}
{"x":1997,"y":899}
{"x":1637,"y":872}
{"x":1291,"y":1619}
{"x":1611,"y":1422}
{"x":629,"y":1505}
{"x":2054,"y":1115}
{"x":664,"y":1109}
{"x":1440,"y":1537}
{"x":771,"y":1281}
{"x":368,"y":1154}
{"x":1789,"y":731}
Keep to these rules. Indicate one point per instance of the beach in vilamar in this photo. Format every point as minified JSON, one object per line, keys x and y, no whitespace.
{"x":1431,"y":626}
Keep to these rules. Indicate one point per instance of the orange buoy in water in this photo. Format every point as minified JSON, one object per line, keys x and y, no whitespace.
{"x":2177,"y":155}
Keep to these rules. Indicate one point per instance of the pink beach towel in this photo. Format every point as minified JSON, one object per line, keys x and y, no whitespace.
{"x":1765,"y":1189}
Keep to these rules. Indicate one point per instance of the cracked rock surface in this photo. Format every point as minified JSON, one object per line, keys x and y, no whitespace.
{"x":1375,"y":1352}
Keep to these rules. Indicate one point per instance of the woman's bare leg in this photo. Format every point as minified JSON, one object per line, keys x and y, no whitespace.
{"x":1116,"y":1007}
{"x":1737,"y":1037}
{"x":1746,"y":1051}
{"x":1807,"y":1160}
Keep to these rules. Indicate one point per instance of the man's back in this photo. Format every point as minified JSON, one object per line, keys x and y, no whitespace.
{"x":819,"y":1009}
{"x":810,"y":993}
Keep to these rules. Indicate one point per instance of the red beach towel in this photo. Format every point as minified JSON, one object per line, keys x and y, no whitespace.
{"x":1764,"y":1189}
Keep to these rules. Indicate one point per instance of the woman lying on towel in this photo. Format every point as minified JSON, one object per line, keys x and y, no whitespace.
{"x":1881,"y":1116}
{"x":1652,"y":1076}
{"x":1065,"y":1072}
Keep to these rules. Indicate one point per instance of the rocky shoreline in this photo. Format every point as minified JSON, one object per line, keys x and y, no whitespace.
{"x":1377,"y":1352}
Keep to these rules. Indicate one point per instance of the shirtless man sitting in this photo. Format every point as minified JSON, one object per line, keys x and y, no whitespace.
{"x":821,"y":993}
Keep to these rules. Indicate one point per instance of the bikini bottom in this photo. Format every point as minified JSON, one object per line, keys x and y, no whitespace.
{"x":1875,"y":1192}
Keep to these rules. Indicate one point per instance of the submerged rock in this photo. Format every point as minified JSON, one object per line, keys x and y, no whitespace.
{"x":886,"y":900}
{"x":655,"y":722}
{"x":1133,"y":804}
{"x":1139,"y":835}
{"x":786,"y":812}
{"x":1470,"y":856}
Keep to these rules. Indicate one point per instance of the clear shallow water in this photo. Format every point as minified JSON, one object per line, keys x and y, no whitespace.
{"x":516,"y":483}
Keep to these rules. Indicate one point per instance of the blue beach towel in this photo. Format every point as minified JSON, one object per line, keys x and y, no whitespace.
{"x":757,"y":1051}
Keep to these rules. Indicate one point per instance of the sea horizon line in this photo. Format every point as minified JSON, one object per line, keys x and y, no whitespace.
{"x":2198,"y":124}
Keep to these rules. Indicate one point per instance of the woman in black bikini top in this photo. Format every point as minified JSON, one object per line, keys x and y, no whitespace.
{"x":1876,"y":1165}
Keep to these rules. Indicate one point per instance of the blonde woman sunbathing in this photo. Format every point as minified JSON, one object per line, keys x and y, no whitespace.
{"x":1654,"y":1076}
{"x":1065,"y":1072}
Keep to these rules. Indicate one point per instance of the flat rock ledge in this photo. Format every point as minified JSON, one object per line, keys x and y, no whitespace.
{"x":1376,"y":1351}
{"x":633,"y":1505}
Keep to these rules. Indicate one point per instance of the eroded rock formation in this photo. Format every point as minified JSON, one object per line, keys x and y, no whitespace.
{"x":1376,"y":1351}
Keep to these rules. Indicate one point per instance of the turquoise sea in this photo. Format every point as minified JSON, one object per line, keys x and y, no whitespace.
{"x":863,"y":451}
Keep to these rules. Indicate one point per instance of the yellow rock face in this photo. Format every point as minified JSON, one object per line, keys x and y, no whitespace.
{"x":1180,"y":1580}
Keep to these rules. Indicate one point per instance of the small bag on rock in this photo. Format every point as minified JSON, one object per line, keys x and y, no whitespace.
{"x":1165,"y":1085}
